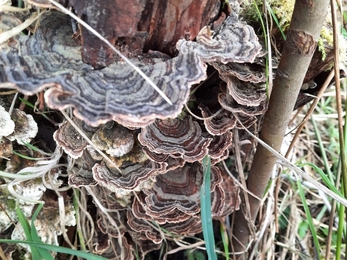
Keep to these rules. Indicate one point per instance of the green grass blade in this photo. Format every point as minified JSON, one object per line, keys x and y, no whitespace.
{"x":45,"y":254}
{"x":76,"y":196}
{"x":325,"y":178}
{"x":206,"y":217}
{"x":34,"y":148}
{"x":58,"y":249}
{"x":309,"y":218}
{"x":27,"y":157}
{"x":339,"y":239}
{"x":26,"y":228}
{"x":322,"y":150}
{"x":274,"y":17}
{"x":26,"y":102}
{"x":225,"y":240}
{"x":266,"y":45}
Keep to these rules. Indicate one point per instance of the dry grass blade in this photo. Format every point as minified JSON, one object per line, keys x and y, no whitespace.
{"x":6,"y":8}
{"x":243,"y":179}
{"x":310,"y":111}
{"x":18,"y":29}
{"x":284,"y":161}
{"x":105,"y":212}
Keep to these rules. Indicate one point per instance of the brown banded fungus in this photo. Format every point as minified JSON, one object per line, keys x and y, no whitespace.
{"x":81,"y":174}
{"x":175,"y":191}
{"x":218,"y":149}
{"x":176,"y":137}
{"x":25,"y":127}
{"x":143,"y":229}
{"x":246,"y":72}
{"x":230,"y":104}
{"x":235,"y":42}
{"x":133,"y":174}
{"x":218,"y":124}
{"x":172,"y":162}
{"x":98,"y":96}
{"x":244,"y":93}
{"x":189,"y":227}
{"x":163,"y":166}
{"x":135,"y":168}
{"x":70,"y":139}
{"x":106,"y":245}
{"x":174,"y":200}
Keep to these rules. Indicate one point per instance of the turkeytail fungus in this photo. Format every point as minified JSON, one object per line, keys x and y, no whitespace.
{"x":176,"y":137}
{"x":153,"y":174}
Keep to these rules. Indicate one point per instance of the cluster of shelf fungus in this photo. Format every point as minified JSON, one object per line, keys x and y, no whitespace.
{"x":154,"y":172}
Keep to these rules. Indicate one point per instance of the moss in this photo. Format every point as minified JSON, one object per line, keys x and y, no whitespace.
{"x":10,"y":204}
{"x":321,"y":48}
{"x":283,"y":9}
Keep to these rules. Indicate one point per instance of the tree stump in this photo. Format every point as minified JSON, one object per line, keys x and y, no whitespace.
{"x":141,"y":24}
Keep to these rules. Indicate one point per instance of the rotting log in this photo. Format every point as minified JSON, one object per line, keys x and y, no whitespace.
{"x":141,"y":24}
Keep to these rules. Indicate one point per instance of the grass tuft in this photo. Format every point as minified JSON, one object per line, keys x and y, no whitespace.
{"x":205,"y":202}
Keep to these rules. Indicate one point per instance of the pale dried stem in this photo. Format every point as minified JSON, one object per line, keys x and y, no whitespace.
{"x":5,"y":36}
{"x":203,"y":118}
{"x":110,"y":219}
{"x":339,"y":112}
{"x":82,"y":223}
{"x":310,"y":111}
{"x":265,"y":223}
{"x":239,"y":168}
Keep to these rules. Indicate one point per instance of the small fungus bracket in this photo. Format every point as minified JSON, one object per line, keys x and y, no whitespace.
{"x":117,"y":92}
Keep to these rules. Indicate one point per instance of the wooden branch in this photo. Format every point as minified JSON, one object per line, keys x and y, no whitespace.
{"x":299,"y":47}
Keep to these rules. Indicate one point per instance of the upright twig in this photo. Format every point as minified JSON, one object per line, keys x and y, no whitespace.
{"x":302,"y":36}
{"x":339,"y":106}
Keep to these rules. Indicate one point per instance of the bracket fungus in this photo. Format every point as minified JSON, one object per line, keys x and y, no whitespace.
{"x":246,"y":72}
{"x":25,"y":127}
{"x":70,"y":139}
{"x":172,"y":162}
{"x":135,"y":170}
{"x":174,"y":199}
{"x":155,"y":173}
{"x":98,"y":96}
{"x":230,"y":104}
{"x":218,"y":149}
{"x":176,"y":137}
{"x":234,"y":42}
{"x":245,"y":93}
{"x":130,"y":177}
{"x":80,"y":174}
{"x":218,"y":124}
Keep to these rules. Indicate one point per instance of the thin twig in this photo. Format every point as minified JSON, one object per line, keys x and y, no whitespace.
{"x":310,"y":111}
{"x":339,"y":102}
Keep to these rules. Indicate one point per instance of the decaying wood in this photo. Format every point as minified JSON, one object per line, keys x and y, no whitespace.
{"x":142,"y":24}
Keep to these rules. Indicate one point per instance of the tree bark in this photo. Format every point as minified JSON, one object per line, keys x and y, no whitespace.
{"x":302,"y":36}
{"x":142,"y":24}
